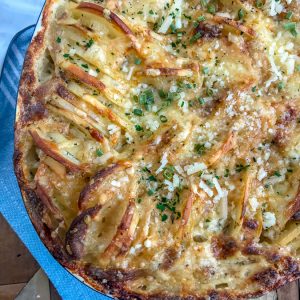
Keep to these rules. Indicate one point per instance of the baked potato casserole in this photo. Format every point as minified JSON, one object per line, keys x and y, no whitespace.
{"x":157,"y":144}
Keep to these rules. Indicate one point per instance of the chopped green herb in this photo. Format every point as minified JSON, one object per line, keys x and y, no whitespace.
{"x":137,"y":61}
{"x":145,"y":169}
{"x":205,"y":70}
{"x":241,"y":14}
{"x":203,"y":3}
{"x":291,"y":27}
{"x":209,"y":183}
{"x":137,"y":112}
{"x":152,"y":178}
{"x":58,"y":40}
{"x":173,"y":28}
{"x":138,"y":128}
{"x":66,"y":55}
{"x":168,"y":172}
{"x":201,"y":100}
{"x":99,"y":152}
{"x":211,"y":9}
{"x":240,"y":167}
{"x":146,"y":98}
{"x":280,"y":85}
{"x":201,"y":18}
{"x":139,"y":200}
{"x":163,"y":118}
{"x":289,"y":15}
{"x":226,"y":173}
{"x":160,"y":206}
{"x":258,"y":3}
{"x":150,"y":192}
{"x":164,"y":217}
{"x":89,"y":43}
{"x":195,"y":37}
{"x":277,"y":174}
{"x":200,"y":149}
{"x":209,"y":92}
{"x":162,"y":94}
{"x":85,"y":66}
{"x":254,"y":89}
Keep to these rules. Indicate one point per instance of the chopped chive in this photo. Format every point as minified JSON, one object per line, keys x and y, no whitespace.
{"x":239,"y":168}
{"x":89,"y":43}
{"x":137,"y":112}
{"x":195,"y":37}
{"x":163,"y":118}
{"x":146,"y":98}
{"x":99,"y":152}
{"x":289,"y":15}
{"x":201,"y":100}
{"x":211,"y":9}
{"x":205,"y":70}
{"x":201,"y":18}
{"x":203,"y":3}
{"x":241,"y":14}
{"x":291,"y":27}
{"x":138,"y":128}
{"x":58,"y":40}
{"x":150,"y":192}
{"x":199,"y":149}
{"x":164,"y":217}
{"x":160,"y":206}
{"x":168,"y":173}
{"x":85,"y":66}
{"x":280,"y":86}
{"x":152,"y":178}
{"x":258,"y":3}
{"x":209,"y":92}
{"x":137,"y":61}
{"x":277,"y":174}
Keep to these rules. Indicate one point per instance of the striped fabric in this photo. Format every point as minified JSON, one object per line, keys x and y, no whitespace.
{"x":24,"y":13}
{"x":11,"y":204}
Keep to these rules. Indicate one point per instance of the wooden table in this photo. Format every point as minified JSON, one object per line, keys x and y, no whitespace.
{"x":17,"y":267}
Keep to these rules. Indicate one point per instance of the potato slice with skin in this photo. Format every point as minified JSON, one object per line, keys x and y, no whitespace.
{"x":142,"y":45}
{"x":109,"y":15}
{"x":77,"y":73}
{"x":235,"y":24}
{"x":77,"y":232}
{"x":43,"y":191}
{"x":124,"y":235}
{"x":88,"y":193}
{"x":52,"y":150}
{"x":228,"y":145}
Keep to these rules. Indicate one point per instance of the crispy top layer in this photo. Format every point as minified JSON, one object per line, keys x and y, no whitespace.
{"x":158,"y":144}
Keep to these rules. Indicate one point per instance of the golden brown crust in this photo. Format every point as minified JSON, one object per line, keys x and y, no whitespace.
{"x":127,"y":168}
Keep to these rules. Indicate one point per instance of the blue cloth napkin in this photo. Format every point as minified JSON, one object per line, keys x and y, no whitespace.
{"x":11,"y":203}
